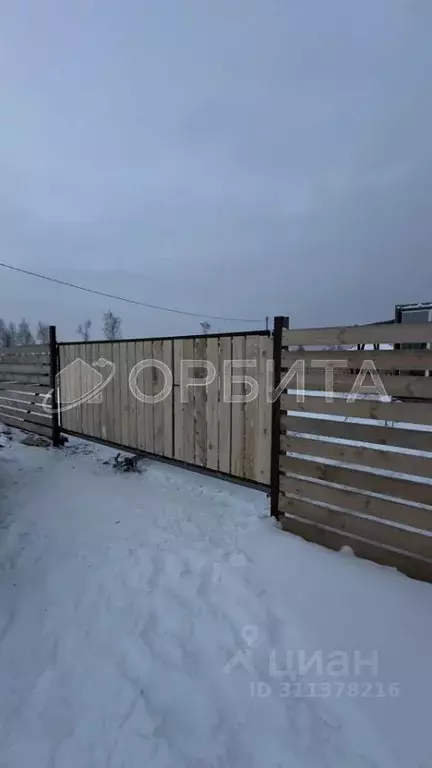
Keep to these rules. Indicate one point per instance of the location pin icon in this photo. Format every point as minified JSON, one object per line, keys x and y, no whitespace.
{"x":250,"y":634}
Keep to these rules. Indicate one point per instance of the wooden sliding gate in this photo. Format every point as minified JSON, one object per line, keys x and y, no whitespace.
{"x":27,"y":388}
{"x":356,"y":471}
{"x":206,"y":431}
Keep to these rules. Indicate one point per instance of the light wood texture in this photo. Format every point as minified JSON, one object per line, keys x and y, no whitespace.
{"x":409,"y":413}
{"x":148,"y":390}
{"x":225,"y":414}
{"x":200,"y":404}
{"x":380,"y":533}
{"x":116,"y":387}
{"x":416,"y":567}
{"x":421,"y":493}
{"x":30,"y":416}
{"x":370,"y":457}
{"x":13,"y":421}
{"x":251,"y":410}
{"x":238,"y":411}
{"x":212,"y":407}
{"x":124,"y":398}
{"x":158,"y":408}
{"x":402,"y":514}
{"x":107,"y":410}
{"x":261,"y":471}
{"x":168,"y":415}
{"x":384,"y":359}
{"x":141,"y":407}
{"x":132,"y":403}
{"x":178,"y":406}
{"x":392,"y":333}
{"x":189,"y":410}
{"x":24,"y":369}
{"x":396,"y":386}
{"x":34,"y":350}
{"x":403,"y":438}
{"x":23,"y":378}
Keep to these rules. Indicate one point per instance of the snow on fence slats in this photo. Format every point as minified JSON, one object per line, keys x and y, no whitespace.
{"x":360,"y":473}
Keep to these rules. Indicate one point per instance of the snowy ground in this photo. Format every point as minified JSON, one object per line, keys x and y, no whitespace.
{"x":138,"y":613}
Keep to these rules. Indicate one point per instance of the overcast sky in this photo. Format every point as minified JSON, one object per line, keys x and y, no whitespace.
{"x":236,"y":157}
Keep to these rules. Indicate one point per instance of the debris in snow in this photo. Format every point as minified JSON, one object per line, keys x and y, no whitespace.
{"x":39,"y":441}
{"x":124,"y":463}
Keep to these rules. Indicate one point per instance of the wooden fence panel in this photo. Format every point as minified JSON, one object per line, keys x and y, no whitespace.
{"x":365,"y":484}
{"x":206,"y":430}
{"x":25,"y":386}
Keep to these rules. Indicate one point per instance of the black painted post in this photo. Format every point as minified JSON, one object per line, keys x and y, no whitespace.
{"x":279,"y":323}
{"x":53,"y":386}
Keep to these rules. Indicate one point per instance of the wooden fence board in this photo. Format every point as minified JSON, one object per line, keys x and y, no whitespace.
{"x":124,"y":400}
{"x":132,"y":403}
{"x":384,"y":360}
{"x":225,"y":413}
{"x":158,"y":408}
{"x":107,"y":411}
{"x":263,"y":447}
{"x":417,"y":568}
{"x":238,"y":411}
{"x":39,"y":429}
{"x":374,"y":458}
{"x":189,"y":410}
{"x":421,"y":493}
{"x":212,"y":406}
{"x":392,"y":333}
{"x":178,"y":406}
{"x":24,"y":369}
{"x":404,"y":438}
{"x":409,"y":413}
{"x":26,"y":349}
{"x":116,"y":388}
{"x":24,"y":378}
{"x":148,"y":390}
{"x":200,"y":405}
{"x":141,"y":407}
{"x":30,"y":416}
{"x":381,"y":533}
{"x":168,"y":416}
{"x":251,"y":410}
{"x":402,"y":514}
{"x":396,"y":386}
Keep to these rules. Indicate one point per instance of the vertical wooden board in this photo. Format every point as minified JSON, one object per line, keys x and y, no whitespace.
{"x":132,"y":410}
{"x":178,"y":407}
{"x":79,"y":381}
{"x":238,"y":413}
{"x":65,"y":380}
{"x":263,"y":436}
{"x":148,"y":389}
{"x":251,"y":410}
{"x":158,"y":408}
{"x":188,"y":409}
{"x":98,"y":401}
{"x":212,"y":408}
{"x":84,"y":372}
{"x":107,"y":415}
{"x":200,"y":400}
{"x":167,"y":356}
{"x":225,"y":408}
{"x":140,"y":406}
{"x":117,"y":420}
{"x":124,"y":401}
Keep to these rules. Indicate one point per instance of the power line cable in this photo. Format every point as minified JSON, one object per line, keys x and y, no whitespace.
{"x":123,"y":298}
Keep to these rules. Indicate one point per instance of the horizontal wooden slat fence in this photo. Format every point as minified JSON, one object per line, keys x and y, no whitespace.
{"x":357,"y":473}
{"x":206,"y":431}
{"x":27,"y":386}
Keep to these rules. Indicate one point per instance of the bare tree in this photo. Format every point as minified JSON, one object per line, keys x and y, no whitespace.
{"x":111,"y":326}
{"x":42,"y":333}
{"x":84,"y":330}
{"x":205,"y":327}
{"x":24,"y":334}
